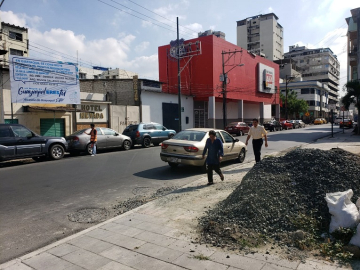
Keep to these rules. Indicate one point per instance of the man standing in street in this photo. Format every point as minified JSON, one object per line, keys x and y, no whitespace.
{"x":93,"y":139}
{"x":257,"y":132}
{"x":215,"y":150}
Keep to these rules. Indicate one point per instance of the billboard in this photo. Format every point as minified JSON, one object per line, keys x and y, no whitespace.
{"x":46,"y":82}
{"x":266,"y":76}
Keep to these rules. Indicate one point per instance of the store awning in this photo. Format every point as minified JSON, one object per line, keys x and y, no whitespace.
{"x":51,"y":109}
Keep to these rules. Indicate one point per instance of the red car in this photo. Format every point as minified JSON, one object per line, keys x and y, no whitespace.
{"x":286,"y":124}
{"x":238,"y":128}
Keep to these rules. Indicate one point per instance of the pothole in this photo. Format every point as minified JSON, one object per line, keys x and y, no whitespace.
{"x":89,"y":215}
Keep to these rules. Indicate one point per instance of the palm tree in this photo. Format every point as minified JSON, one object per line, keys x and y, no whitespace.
{"x":353,"y":97}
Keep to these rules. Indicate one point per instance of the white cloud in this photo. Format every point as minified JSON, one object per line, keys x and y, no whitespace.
{"x":142,"y":46}
{"x":195,"y":27}
{"x":20,"y":19}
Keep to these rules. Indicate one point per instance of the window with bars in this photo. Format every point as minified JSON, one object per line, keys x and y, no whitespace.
{"x":16,"y":52}
{"x":16,"y":36}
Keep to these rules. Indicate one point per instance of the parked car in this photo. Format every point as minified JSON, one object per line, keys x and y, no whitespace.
{"x":273,"y":125}
{"x":323,"y":120}
{"x":294,"y":123}
{"x":17,"y":141}
{"x":238,"y":128}
{"x":338,"y":120}
{"x":346,"y":123}
{"x":106,"y":139}
{"x":187,"y":146}
{"x":147,"y":133}
{"x":286,"y":125}
{"x":300,"y":123}
{"x":318,"y":121}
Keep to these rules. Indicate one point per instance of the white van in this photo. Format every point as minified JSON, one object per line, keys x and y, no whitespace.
{"x":338,"y":120}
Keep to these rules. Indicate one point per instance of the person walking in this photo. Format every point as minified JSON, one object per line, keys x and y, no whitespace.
{"x":93,"y":139}
{"x":215,"y":150}
{"x":257,"y":132}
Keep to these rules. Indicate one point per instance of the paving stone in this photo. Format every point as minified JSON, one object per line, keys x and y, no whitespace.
{"x":273,"y":259}
{"x":154,"y":264}
{"x":158,"y":252}
{"x":178,"y":234}
{"x":75,"y":267}
{"x":99,"y":234}
{"x":122,"y":229}
{"x":311,"y":265}
{"x":123,"y":256}
{"x":270,"y":266}
{"x":124,"y":241}
{"x":46,"y":261}
{"x":189,"y":262}
{"x":90,"y":244}
{"x":115,"y":266}
{"x":86,"y":259}
{"x":149,"y":218}
{"x":152,"y":227}
{"x":128,"y":221}
{"x":17,"y":266}
{"x":186,"y":247}
{"x":237,"y":261}
{"x":62,"y":250}
{"x":155,"y":238}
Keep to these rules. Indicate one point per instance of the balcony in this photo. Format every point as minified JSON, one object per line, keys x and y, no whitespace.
{"x":353,"y":52}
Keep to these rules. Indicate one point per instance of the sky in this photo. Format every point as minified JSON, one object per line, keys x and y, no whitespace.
{"x":126,"y":34}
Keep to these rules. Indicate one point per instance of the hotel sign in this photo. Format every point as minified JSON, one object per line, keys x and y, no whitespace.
{"x":92,"y":113}
{"x":266,"y":83}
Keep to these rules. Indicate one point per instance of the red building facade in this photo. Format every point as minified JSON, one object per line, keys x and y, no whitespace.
{"x":252,"y":82}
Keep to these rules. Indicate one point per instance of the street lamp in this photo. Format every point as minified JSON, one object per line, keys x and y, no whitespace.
{"x":224,"y":88}
{"x":287,"y":80}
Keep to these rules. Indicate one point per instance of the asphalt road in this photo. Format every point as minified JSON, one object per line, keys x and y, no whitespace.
{"x":36,"y":198}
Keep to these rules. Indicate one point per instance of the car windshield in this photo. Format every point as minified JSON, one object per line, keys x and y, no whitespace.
{"x":190,"y":135}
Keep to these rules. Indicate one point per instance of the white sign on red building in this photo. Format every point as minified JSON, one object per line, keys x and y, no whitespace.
{"x":266,"y":82}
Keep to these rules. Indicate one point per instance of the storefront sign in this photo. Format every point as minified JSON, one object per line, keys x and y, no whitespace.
{"x":47,"y":82}
{"x":93,"y":113}
{"x":266,"y":79}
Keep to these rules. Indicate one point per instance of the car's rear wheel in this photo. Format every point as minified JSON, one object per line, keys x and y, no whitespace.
{"x":173,"y":165}
{"x":89,"y":149}
{"x":146,"y":142}
{"x":171,"y":135}
{"x":126,"y":145}
{"x":204,"y":168}
{"x":56,"y":152}
{"x":242,"y":155}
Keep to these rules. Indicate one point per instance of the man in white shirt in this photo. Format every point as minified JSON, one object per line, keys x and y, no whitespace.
{"x":257,"y":132}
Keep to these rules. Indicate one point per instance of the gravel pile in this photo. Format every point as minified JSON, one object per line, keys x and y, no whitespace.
{"x":277,"y":192}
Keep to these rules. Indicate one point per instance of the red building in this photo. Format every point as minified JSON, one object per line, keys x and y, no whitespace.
{"x":251,"y":85}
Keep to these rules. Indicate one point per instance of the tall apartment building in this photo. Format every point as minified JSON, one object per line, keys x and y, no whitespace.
{"x":218,"y":34}
{"x":353,"y":34}
{"x":14,"y":39}
{"x":262,"y":35}
{"x":319,"y":64}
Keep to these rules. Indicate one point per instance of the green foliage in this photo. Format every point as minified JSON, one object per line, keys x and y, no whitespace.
{"x":295,"y":105}
{"x":343,"y":235}
{"x":201,"y":257}
{"x":352,"y":96}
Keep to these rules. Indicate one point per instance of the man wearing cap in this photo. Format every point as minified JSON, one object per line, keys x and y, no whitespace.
{"x":257,"y":132}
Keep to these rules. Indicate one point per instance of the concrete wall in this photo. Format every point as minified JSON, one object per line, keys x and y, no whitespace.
{"x":122,"y":116}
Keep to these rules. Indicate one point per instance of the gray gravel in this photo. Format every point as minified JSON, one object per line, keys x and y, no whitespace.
{"x":275,"y":192}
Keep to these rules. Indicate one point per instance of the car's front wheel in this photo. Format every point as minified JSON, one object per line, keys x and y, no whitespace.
{"x":241,"y":156}
{"x":89,"y":149}
{"x":126,"y":145}
{"x":146,"y":142}
{"x":56,"y":152}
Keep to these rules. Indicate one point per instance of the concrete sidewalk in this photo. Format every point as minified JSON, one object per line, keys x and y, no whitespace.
{"x":162,"y":234}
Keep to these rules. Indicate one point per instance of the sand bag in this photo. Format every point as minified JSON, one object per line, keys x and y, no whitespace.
{"x":355,"y":240}
{"x":344,"y":212}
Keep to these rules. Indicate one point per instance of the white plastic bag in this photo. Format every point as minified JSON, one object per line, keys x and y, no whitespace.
{"x":355,"y":240}
{"x":344,"y":213}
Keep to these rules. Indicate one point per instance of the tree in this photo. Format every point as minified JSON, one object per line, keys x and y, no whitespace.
{"x":352,"y":96}
{"x":295,"y":105}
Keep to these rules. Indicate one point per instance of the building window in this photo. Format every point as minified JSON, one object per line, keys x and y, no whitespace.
{"x":16,"y":36}
{"x":305,"y":91}
{"x":107,"y":77}
{"x":114,"y":77}
{"x":16,"y":52}
{"x":82,"y":75}
{"x":312,"y":103}
{"x":96,"y":77}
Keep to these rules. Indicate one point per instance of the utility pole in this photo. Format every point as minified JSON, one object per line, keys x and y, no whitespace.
{"x":358,"y":51}
{"x":224,"y":90}
{"x":179,"y":78}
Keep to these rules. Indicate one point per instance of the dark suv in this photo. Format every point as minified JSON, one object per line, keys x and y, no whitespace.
{"x":16,"y":141}
{"x":147,"y":133}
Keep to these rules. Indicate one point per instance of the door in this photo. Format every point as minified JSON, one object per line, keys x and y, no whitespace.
{"x":199,"y":118}
{"x":170,"y":113}
{"x":27,"y":143}
{"x":112,"y":138}
{"x":231,"y":151}
{"x":52,"y":127}
{"x":7,"y":143}
{"x":160,"y":133}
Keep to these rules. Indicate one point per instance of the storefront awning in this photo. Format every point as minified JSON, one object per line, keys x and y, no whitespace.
{"x":51,"y":109}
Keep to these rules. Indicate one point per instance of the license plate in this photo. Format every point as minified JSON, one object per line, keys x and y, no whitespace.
{"x":229,"y":128}
{"x":174,"y":160}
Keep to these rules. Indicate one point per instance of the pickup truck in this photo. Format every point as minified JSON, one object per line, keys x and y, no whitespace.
{"x":17,"y":141}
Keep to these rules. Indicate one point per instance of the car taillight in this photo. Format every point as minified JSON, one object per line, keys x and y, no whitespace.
{"x":164,"y":146}
{"x":341,"y":122}
{"x":75,"y":139}
{"x":137,"y":134}
{"x":191,"y":149}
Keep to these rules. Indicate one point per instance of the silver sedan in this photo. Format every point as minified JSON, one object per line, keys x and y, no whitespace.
{"x":106,"y":139}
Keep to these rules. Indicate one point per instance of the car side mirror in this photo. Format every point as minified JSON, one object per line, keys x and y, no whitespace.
{"x":236,"y":140}
{"x":116,"y":134}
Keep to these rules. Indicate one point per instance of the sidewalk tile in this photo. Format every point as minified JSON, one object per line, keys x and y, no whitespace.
{"x":270,"y":266}
{"x":86,"y":259}
{"x":17,"y":266}
{"x":149,"y":218}
{"x":123,"y":256}
{"x":122,"y":229}
{"x":237,"y":261}
{"x":46,"y":261}
{"x":152,"y":227}
{"x":155,"y":238}
{"x":178,"y":235}
{"x":273,"y":259}
{"x":310,"y":265}
{"x":154,"y":264}
{"x":128,"y":221}
{"x":115,"y":266}
{"x":158,"y":252}
{"x":124,"y":241}
{"x":99,"y":234}
{"x":90,"y":244}
{"x":186,"y":247}
{"x":62,"y":250}
{"x":189,"y":262}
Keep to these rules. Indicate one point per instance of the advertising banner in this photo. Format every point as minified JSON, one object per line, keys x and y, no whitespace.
{"x":46,"y":82}
{"x":266,"y":79}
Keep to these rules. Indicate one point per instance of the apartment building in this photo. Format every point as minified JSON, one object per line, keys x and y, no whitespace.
{"x":320,"y":65}
{"x":261,"y":35}
{"x":105,"y":73}
{"x":353,"y":45}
